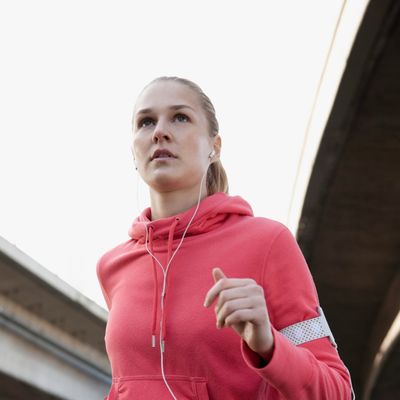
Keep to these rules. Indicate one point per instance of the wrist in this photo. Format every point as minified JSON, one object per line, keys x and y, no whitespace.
{"x":266,"y":352}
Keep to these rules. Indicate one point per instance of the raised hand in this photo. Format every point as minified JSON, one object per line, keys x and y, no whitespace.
{"x":240,"y":304}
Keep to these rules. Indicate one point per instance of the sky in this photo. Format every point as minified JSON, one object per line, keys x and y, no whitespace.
{"x":70,"y":75}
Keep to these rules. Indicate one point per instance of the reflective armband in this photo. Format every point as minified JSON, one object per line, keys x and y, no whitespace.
{"x":310,"y":329}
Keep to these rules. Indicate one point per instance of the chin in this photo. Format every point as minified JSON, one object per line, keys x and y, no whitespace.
{"x":167,"y":182}
{"x":163,"y":182}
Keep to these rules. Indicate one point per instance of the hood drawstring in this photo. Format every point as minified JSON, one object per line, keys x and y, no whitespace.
{"x":164,"y":293}
{"x":149,"y":234}
{"x":155,"y":292}
{"x":171,"y":237}
{"x":170,"y":256}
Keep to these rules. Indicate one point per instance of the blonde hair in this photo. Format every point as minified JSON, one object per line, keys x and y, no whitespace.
{"x":217,"y":180}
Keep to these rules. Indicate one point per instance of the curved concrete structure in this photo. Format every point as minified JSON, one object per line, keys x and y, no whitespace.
{"x":349,"y":230}
{"x":51,"y":336}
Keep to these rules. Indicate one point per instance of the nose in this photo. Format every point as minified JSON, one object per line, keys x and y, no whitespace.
{"x":161,"y":132}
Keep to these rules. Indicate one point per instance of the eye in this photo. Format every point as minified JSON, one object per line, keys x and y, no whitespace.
{"x":145,"y":122}
{"x":181,"y":118}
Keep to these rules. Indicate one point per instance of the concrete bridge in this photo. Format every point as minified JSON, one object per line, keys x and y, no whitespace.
{"x":349,"y":229}
{"x":51,"y":336}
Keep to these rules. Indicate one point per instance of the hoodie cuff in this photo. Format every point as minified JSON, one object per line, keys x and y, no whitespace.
{"x":255,"y":360}
{"x":285,"y":357}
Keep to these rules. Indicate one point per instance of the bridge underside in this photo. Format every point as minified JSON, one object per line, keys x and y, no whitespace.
{"x":14,"y":389}
{"x":349,"y":229}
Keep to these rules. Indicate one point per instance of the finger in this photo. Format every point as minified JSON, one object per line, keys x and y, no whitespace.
{"x":239,"y":292}
{"x":241,"y":316}
{"x":232,"y":306}
{"x":222,"y":284}
{"x":218,"y":274}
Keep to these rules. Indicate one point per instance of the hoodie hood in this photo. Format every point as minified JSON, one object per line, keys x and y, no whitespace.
{"x":213,"y":211}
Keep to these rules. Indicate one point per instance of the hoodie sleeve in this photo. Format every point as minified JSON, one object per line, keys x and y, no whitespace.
{"x":316,"y":370}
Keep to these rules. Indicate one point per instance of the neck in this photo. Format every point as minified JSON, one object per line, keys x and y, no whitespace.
{"x":166,"y":204}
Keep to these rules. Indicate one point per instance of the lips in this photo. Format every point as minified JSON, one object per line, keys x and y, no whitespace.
{"x":162,"y":153}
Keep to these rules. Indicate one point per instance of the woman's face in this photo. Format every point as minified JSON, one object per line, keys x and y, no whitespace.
{"x":171,"y":141}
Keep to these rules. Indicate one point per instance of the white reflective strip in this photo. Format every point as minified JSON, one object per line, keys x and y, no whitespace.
{"x":310,"y":329}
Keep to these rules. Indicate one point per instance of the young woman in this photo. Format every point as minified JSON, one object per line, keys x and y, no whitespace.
{"x":205,"y":300}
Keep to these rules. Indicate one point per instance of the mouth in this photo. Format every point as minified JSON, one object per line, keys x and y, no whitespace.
{"x":162,"y":154}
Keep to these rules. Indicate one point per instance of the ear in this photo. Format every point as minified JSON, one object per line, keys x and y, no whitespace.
{"x":217,"y":147}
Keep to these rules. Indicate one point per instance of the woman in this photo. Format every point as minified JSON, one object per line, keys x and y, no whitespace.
{"x":205,"y":300}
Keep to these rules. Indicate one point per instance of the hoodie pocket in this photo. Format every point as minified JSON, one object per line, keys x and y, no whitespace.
{"x":153,"y":387}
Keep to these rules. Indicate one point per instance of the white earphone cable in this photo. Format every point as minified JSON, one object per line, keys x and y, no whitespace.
{"x":165,"y":273}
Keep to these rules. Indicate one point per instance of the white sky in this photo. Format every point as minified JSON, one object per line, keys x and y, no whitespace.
{"x":70,"y":74}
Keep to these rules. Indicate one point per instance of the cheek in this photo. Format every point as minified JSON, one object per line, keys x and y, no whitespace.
{"x":197,"y":150}
{"x":138,"y":146}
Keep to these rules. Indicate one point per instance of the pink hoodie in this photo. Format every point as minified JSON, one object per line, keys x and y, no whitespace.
{"x":200,"y":361}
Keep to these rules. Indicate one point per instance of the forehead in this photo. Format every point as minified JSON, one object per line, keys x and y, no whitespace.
{"x":162,"y":95}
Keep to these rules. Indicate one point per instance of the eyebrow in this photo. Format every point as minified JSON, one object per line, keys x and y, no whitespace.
{"x":174,"y":107}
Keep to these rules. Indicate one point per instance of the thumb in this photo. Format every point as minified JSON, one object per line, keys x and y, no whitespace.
{"x":218,"y":274}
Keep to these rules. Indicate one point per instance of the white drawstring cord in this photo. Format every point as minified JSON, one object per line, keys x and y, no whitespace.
{"x":165,"y":272}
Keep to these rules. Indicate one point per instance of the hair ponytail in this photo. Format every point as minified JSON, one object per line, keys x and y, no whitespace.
{"x":217,"y":181}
